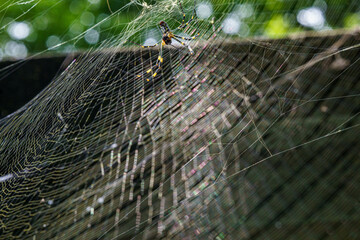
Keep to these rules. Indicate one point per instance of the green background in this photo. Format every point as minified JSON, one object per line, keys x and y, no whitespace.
{"x":63,"y":21}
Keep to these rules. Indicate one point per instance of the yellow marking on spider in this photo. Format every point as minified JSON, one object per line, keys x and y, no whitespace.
{"x":183,"y":43}
{"x":143,"y":46}
{"x":187,"y":23}
{"x":147,"y":79}
{"x":154,"y":75}
{"x":148,"y":71}
{"x":160,"y":59}
{"x":192,"y":17}
{"x":138,"y":75}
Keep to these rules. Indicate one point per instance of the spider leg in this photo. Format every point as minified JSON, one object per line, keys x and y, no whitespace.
{"x":184,"y":16}
{"x":184,"y":44}
{"x":159,"y":61}
{"x":150,"y":46}
{"x":188,"y":38}
{"x":183,"y":24}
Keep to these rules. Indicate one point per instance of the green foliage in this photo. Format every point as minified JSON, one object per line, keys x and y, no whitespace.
{"x":65,"y":21}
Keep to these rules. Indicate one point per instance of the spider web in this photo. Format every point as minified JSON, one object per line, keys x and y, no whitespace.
{"x":249,"y":138}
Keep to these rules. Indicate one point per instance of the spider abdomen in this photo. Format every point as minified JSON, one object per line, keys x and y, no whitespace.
{"x":166,"y":40}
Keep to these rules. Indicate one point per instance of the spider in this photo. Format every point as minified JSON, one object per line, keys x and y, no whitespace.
{"x":167,"y":37}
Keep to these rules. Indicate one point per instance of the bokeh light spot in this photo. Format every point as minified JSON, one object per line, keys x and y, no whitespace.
{"x":204,"y":10}
{"x":52,"y":41}
{"x":277,"y":26}
{"x":231,"y":25}
{"x":311,"y":17}
{"x":41,"y":23}
{"x":87,"y":19}
{"x":352,"y":20}
{"x":19,"y":30}
{"x":92,"y":36}
{"x":76,"y":28}
{"x":16,"y":50}
{"x":244,"y":10}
